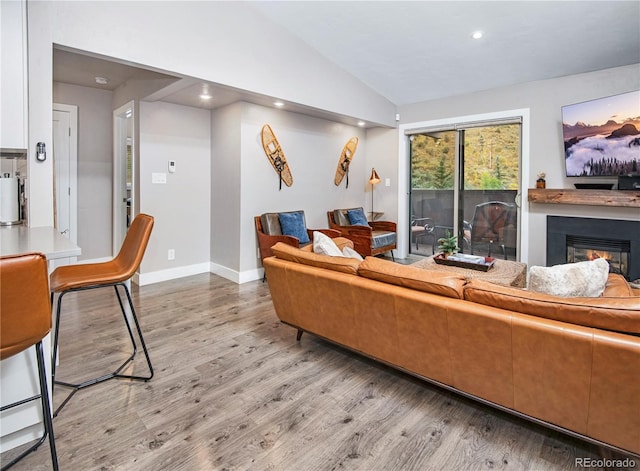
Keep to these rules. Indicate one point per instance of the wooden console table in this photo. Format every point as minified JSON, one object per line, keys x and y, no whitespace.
{"x":619,"y":198}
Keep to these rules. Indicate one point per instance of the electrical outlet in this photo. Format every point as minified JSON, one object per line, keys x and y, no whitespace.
{"x":171,"y":254}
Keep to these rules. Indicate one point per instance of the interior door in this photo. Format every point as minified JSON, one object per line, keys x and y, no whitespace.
{"x":123,"y":172}
{"x":65,"y":173}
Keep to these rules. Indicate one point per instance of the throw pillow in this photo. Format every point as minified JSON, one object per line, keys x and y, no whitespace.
{"x":357,"y":217}
{"x":350,"y":253}
{"x":323,"y":245}
{"x":292,"y":224}
{"x":581,"y":279}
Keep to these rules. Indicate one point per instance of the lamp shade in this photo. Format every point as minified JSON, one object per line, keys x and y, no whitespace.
{"x":374,"y":178}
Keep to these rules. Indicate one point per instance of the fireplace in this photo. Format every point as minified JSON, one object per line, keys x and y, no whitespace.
{"x":616,"y":252}
{"x":572,"y":239}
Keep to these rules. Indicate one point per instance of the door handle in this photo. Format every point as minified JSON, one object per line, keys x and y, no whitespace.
{"x":64,"y":232}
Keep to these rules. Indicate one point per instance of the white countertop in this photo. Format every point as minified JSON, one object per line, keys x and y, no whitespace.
{"x":22,"y":239}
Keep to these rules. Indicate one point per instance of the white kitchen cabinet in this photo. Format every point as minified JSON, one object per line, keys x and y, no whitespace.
{"x":13,"y":75}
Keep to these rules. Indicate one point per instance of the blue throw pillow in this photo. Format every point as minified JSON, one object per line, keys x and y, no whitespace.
{"x":357,"y":217}
{"x":292,"y":224}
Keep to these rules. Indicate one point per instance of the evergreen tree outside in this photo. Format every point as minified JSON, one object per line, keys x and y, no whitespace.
{"x":491,"y":158}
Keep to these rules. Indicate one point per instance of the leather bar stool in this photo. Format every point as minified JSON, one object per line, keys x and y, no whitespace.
{"x":24,"y":321}
{"x":115,"y":273}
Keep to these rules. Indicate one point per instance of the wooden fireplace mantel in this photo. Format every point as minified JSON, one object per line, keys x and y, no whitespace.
{"x":619,"y":198}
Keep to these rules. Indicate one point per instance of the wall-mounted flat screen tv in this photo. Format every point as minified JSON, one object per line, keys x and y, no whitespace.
{"x":602,"y":137}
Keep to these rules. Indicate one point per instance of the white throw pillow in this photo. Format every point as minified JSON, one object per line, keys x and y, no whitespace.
{"x":581,"y":279}
{"x":323,"y":245}
{"x":350,"y":253}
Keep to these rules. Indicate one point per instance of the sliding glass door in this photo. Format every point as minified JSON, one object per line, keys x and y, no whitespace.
{"x":465,"y":181}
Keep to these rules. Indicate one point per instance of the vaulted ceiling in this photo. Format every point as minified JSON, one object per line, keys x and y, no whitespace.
{"x":413,"y":51}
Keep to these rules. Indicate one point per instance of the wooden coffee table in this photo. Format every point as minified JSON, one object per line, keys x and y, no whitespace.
{"x":503,"y":272}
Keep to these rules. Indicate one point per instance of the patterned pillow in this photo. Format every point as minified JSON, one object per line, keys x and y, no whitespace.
{"x":581,"y":279}
{"x":357,"y":217}
{"x":292,"y":224}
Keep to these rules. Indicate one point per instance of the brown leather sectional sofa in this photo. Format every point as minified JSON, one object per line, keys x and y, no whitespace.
{"x":569,"y":363}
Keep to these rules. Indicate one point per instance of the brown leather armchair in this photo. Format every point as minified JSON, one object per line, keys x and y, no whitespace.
{"x":270,"y":233}
{"x":375,"y":238}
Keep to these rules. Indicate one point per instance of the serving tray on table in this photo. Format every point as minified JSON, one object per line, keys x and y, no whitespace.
{"x":473,"y":262}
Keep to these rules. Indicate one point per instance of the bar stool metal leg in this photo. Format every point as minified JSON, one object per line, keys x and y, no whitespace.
{"x":116,"y":373}
{"x":115,"y":273}
{"x":46,"y":413}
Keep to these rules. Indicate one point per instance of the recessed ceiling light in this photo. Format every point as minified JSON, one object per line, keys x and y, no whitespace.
{"x":204,"y":94}
{"x":477,"y":34}
{"x":102,"y":80}
{"x":279,"y":104}
{"x":361,"y":123}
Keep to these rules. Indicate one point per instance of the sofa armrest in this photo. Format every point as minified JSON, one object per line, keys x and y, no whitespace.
{"x":265,"y":242}
{"x":383,"y":226}
{"x":328,"y":232}
{"x":364,"y":231}
{"x":617,"y":286}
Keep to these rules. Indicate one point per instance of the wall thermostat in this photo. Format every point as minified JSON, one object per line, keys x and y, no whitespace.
{"x":172,"y":166}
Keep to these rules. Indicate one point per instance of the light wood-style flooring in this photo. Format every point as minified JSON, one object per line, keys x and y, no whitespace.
{"x":233,"y":390}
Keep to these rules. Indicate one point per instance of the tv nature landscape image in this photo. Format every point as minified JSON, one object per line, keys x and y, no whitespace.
{"x":602,"y":137}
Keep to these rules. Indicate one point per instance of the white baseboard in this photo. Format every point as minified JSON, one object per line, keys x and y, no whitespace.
{"x":170,"y":274}
{"x":234,"y":275}
{"x":181,"y":272}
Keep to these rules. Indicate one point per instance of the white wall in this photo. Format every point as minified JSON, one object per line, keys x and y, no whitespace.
{"x":182,"y":206}
{"x":544,"y":99}
{"x":225,"y":191}
{"x":312,"y":147}
{"x":382,"y":153}
{"x":230,"y":43}
{"x":40,"y":192}
{"x":215,"y":41}
{"x":95,"y":163}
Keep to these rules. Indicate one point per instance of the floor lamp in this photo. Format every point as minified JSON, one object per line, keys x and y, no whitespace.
{"x":374,"y":179}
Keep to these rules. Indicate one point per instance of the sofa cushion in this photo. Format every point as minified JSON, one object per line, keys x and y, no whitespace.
{"x":341,"y":218}
{"x":271,"y":224}
{"x":382,"y":239}
{"x":293,"y":224}
{"x":357,"y":217}
{"x":323,"y":245}
{"x":307,"y":257}
{"x":581,"y":279}
{"x":444,"y":284}
{"x":620,"y":314}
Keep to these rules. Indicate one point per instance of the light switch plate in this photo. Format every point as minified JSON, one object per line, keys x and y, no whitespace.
{"x":158,"y":178}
